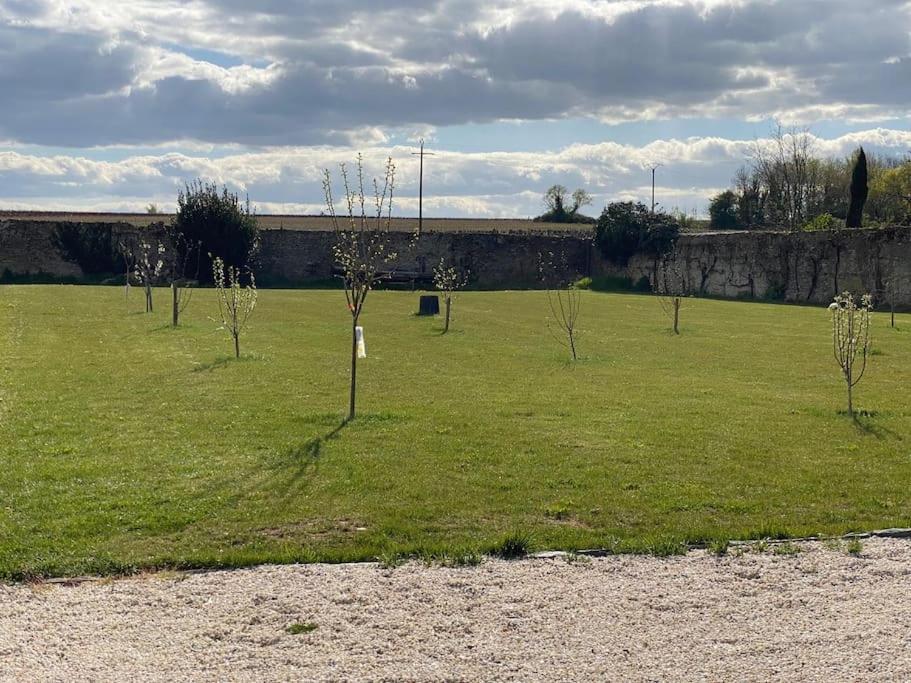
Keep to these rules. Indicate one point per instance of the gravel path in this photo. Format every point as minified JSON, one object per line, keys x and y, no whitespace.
{"x":821,"y":614}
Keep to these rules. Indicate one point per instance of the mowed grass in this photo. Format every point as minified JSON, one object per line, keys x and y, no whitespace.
{"x":125,"y":444}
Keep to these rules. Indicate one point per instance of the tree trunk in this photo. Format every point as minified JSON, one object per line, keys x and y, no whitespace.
{"x":572,"y":345}
{"x":237,"y":344}
{"x":353,"y":369}
{"x":676,"y":316}
{"x":148,"y":298}
{"x":850,"y":401}
{"x":446,"y":325}
{"x":175,"y":298}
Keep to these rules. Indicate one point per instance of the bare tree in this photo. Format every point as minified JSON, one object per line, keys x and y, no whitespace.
{"x":580,"y":198}
{"x":851,"y":338}
{"x":235,"y":301}
{"x":448,"y":279}
{"x":563,"y":299}
{"x":148,"y":267}
{"x":788,"y":172}
{"x":127,"y":253}
{"x":363,"y":246}
{"x":892,"y":289}
{"x":670,"y":287}
{"x":185,"y":256}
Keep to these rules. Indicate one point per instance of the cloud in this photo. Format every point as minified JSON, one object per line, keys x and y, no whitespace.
{"x":495,"y":184}
{"x":279,"y":72}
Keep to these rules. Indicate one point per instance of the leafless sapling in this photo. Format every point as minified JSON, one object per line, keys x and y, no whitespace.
{"x":563,"y":298}
{"x":235,"y":300}
{"x":148,"y":267}
{"x":128,"y":254}
{"x":670,"y":288}
{"x":448,"y":279}
{"x":892,"y":289}
{"x":184,"y":263}
{"x":362,"y":245}
{"x":851,"y":338}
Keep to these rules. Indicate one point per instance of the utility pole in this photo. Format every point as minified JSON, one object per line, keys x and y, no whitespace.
{"x":653,"y":167}
{"x":421,"y":186}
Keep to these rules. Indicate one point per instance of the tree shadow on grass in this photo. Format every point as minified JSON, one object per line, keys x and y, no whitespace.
{"x":219,"y":362}
{"x":299,"y":463}
{"x":312,"y":449}
{"x":864,"y":421}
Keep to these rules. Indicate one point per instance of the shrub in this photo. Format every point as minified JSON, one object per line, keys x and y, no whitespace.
{"x":216,"y":221}
{"x":627,"y":228}
{"x":824,"y":221}
{"x":583,"y":283}
{"x":89,"y":247}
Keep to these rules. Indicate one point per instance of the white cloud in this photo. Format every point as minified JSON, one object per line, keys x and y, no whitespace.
{"x":494,"y":184}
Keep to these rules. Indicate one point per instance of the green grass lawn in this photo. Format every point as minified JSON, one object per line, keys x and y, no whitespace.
{"x":127,"y":444}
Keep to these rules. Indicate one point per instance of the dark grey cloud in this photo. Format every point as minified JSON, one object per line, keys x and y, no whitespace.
{"x":342,"y":66}
{"x":40,"y":65}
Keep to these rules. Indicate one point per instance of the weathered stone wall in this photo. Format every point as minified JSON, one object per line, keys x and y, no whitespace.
{"x":495,"y":261}
{"x":27,"y":247}
{"x":799,"y":267}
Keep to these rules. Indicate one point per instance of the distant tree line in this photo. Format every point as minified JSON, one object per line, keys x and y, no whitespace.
{"x":786,"y":185}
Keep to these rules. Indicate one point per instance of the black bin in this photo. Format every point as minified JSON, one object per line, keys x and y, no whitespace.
{"x":429,"y":305}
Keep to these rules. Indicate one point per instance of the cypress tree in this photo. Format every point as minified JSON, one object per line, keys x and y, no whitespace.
{"x":858,"y":191}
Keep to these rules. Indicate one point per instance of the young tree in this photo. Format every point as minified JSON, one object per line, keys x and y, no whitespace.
{"x":363,"y":245}
{"x":183,"y":272}
{"x":670,"y":287}
{"x":448,"y":279}
{"x":148,"y":267}
{"x":851,"y":338}
{"x":563,"y":299}
{"x":235,"y":301}
{"x":128,"y":254}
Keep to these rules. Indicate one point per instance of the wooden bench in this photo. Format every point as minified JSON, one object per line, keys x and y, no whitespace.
{"x":410,"y":278}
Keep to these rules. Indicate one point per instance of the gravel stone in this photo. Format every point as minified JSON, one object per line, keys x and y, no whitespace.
{"x":819,"y":615}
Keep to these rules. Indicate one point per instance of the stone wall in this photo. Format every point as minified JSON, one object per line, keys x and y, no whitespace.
{"x":798,"y":267}
{"x":806,"y":267}
{"x":495,"y":261}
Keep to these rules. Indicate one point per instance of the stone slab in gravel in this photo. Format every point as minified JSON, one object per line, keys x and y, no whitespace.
{"x":820,"y":615}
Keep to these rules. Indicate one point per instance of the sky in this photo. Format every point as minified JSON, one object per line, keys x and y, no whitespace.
{"x":110,"y":105}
